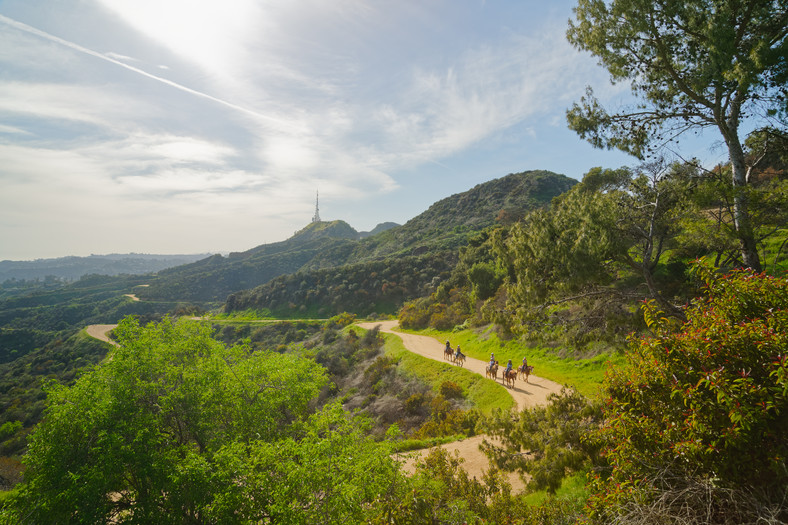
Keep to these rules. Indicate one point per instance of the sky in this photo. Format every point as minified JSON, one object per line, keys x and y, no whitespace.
{"x":181,"y":126}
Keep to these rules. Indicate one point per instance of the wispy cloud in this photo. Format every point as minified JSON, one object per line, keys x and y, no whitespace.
{"x":29,"y":29}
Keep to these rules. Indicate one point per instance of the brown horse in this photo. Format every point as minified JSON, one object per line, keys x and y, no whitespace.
{"x":492,"y":370}
{"x":448,"y":353}
{"x":525,"y":371}
{"x":509,"y":377}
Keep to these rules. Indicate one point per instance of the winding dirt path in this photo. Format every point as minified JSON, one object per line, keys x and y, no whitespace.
{"x":530,"y":394}
{"x":533,"y":393}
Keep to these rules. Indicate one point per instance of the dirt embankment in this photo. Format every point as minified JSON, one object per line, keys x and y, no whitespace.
{"x":533,"y":393}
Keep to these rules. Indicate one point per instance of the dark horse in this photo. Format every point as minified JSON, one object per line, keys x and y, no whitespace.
{"x":448,"y":353}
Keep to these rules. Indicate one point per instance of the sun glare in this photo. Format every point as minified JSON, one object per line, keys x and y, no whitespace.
{"x":206,"y":33}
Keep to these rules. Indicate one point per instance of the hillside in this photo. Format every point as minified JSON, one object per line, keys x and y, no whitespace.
{"x":215,"y":277}
{"x":444,"y":227}
{"x":401,"y":263}
{"x":450,"y":222}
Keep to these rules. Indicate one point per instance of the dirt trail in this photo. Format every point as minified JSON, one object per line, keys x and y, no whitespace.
{"x":529,"y":394}
{"x":101,"y":332}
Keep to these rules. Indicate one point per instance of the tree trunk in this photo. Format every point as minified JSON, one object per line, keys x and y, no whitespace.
{"x":741,"y":214}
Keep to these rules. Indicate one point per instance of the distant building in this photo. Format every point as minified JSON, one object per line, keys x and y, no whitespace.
{"x":316,"y":218}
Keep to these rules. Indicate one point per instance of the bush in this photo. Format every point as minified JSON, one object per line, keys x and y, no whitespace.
{"x":451,"y":390}
{"x":704,"y":401}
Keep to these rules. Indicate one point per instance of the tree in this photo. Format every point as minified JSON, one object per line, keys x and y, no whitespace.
{"x":693,"y":64}
{"x":703,"y":402}
{"x":167,"y":428}
{"x":547,"y":443}
{"x":598,"y":243}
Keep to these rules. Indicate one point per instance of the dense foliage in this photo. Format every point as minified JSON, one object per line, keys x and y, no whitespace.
{"x":363,"y":288}
{"x":547,"y":443}
{"x":575,"y":272}
{"x":691,"y":64}
{"x":176,"y":427}
{"x":703,"y":403}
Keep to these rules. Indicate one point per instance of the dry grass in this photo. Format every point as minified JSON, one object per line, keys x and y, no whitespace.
{"x":701,"y":502}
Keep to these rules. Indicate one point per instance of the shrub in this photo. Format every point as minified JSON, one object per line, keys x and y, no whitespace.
{"x":704,"y":401}
{"x":451,"y":390}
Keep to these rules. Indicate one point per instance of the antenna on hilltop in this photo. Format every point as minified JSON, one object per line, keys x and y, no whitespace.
{"x":316,"y":218}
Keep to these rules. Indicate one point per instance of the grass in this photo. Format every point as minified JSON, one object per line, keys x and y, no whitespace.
{"x":573,"y":488}
{"x":585,"y":375}
{"x":481,"y":393}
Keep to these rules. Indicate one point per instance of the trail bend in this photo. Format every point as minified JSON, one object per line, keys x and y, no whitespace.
{"x":526,"y":395}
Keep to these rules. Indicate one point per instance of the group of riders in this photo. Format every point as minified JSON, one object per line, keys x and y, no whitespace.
{"x":458,"y":355}
{"x":509,"y":365}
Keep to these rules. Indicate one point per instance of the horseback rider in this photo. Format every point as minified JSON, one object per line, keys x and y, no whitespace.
{"x":525,"y":364}
{"x":492,"y":361}
{"x":508,"y":367}
{"x":448,"y":347}
{"x":458,"y":353}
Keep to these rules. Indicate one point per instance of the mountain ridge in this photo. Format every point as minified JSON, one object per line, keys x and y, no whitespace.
{"x":443,"y":228}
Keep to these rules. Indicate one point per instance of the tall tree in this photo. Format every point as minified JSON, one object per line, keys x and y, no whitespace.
{"x":693,"y":64}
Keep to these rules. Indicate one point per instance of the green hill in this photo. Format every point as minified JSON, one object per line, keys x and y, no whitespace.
{"x":441,"y":230}
{"x":401,"y":263}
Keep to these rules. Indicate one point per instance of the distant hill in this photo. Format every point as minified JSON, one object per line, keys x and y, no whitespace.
{"x":72,"y":268}
{"x":442,"y":229}
{"x":380,"y":228}
{"x":380,"y":272}
{"x":215,"y":277}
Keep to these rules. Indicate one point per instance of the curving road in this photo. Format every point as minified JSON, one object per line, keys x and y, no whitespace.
{"x":525,"y":395}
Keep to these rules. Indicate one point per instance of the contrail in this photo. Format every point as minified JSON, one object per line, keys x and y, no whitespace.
{"x":32,"y":30}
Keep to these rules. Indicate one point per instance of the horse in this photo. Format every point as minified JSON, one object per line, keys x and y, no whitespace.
{"x":448,"y":353}
{"x":509,"y":377}
{"x":492,"y":370}
{"x":459,"y":360}
{"x":525,"y":370}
